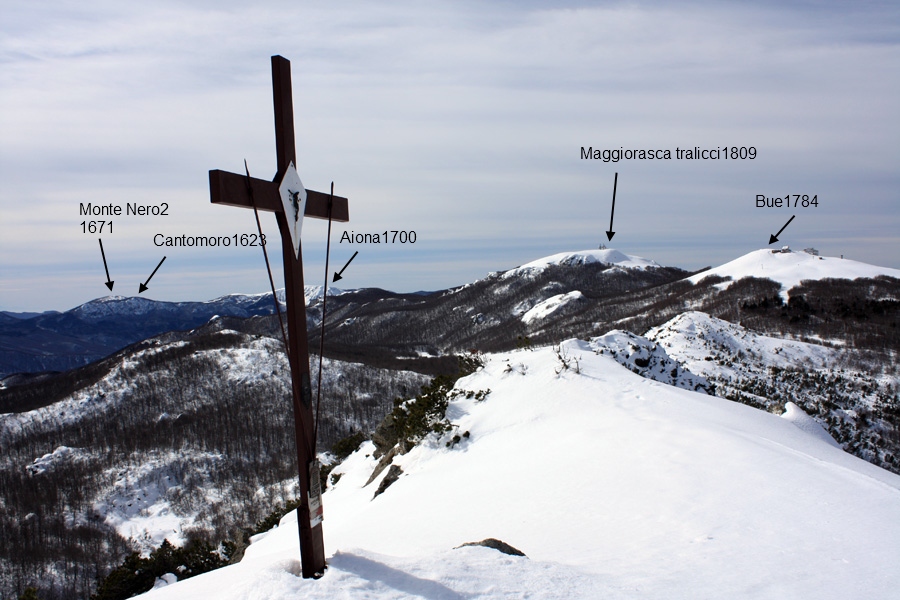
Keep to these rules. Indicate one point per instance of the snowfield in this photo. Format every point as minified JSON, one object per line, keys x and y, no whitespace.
{"x":613,"y":485}
{"x":789,"y":269}
{"x":549,"y":306}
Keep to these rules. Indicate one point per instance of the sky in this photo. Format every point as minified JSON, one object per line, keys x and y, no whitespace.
{"x":461,"y":121}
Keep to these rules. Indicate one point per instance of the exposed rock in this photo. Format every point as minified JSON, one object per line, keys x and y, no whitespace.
{"x":383,"y":463}
{"x":393,"y":475}
{"x":385,"y":436}
{"x":496,"y":545}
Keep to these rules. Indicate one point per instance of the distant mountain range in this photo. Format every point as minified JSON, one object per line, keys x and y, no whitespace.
{"x":574,"y":294}
{"x":54,"y":341}
{"x":25,"y":315}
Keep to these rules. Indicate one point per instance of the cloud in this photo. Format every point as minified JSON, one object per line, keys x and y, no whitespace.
{"x":462,"y":121}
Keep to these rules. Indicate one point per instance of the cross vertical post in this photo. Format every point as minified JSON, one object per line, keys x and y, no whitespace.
{"x":312,"y":545}
{"x":238,"y":190}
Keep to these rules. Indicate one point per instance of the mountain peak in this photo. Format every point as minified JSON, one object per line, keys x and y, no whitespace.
{"x":117,"y":305}
{"x":608,"y":256}
{"x":790,"y":267}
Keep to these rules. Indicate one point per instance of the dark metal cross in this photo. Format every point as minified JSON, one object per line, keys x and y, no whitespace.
{"x":235,"y":190}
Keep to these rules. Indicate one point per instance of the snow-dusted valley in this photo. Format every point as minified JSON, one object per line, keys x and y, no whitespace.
{"x":175,"y":440}
{"x":733,"y":433}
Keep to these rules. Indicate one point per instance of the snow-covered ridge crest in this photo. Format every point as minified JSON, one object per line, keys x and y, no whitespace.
{"x":310,"y":293}
{"x":693,"y":337}
{"x":613,"y":485}
{"x":315,"y":292}
{"x":795,"y":415}
{"x":791,"y":267}
{"x":648,"y":359}
{"x":136,"y":305}
{"x":118,"y":305}
{"x":604,"y":255}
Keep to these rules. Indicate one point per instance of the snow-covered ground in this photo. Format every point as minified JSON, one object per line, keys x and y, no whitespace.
{"x":648,"y":359}
{"x":790,"y":268}
{"x":139,"y":501}
{"x":613,"y":485}
{"x":549,"y":306}
{"x":715,"y":348}
{"x":845,"y":392}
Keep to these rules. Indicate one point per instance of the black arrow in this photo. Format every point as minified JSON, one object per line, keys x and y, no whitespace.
{"x":774,"y":238}
{"x":338,"y":274}
{"x":611,"y":233}
{"x":143,"y":286}
{"x":109,"y":283}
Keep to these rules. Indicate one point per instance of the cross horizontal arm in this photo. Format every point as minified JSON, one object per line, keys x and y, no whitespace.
{"x":231,"y":189}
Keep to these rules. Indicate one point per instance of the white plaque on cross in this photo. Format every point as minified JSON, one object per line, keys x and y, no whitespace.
{"x":293,"y":197}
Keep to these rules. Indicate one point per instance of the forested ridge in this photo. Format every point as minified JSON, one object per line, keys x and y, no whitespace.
{"x":204,"y":424}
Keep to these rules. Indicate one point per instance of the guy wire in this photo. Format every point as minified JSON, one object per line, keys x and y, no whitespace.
{"x":324,"y":304}
{"x":268,"y":267}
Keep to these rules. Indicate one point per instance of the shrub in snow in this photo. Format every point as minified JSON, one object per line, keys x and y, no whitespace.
{"x":426,"y":413}
{"x":523,"y":342}
{"x":412,"y":420}
{"x":566,"y":362}
{"x":347,"y":446}
{"x":271,"y":521}
{"x":137,"y":574}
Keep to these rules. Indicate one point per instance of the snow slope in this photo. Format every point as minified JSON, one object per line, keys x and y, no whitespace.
{"x":605,"y":255}
{"x":648,"y":359}
{"x":543,"y":309}
{"x":789,"y":269}
{"x":613,"y":485}
{"x":795,"y":415}
{"x":695,"y":338}
{"x":837,"y":386}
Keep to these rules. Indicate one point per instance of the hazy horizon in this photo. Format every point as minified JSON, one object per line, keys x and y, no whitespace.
{"x":463,"y":122}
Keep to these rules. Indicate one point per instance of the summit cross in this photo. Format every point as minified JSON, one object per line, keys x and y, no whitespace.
{"x":242,"y":190}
